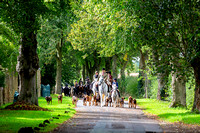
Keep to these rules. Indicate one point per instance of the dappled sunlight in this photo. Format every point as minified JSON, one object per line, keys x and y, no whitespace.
{"x":15,"y":119}
{"x":162,"y":110}
{"x":30,"y":119}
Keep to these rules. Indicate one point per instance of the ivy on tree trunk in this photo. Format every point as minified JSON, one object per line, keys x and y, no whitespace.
{"x":27,"y":66}
{"x":195,"y":65}
{"x":59,"y":66}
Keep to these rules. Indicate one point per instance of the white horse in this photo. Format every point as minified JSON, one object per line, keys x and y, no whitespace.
{"x":103,"y":89}
{"x":94,"y":90}
{"x":115,"y":95}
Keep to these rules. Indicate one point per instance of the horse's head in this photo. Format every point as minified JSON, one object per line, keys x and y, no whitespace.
{"x":114,"y":86}
{"x":86,"y":82}
{"x":100,"y":80}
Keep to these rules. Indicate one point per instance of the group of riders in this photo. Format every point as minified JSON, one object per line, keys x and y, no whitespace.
{"x":107,"y":77}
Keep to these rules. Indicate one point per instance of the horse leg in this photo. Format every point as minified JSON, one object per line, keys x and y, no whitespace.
{"x":101,"y":100}
{"x":105,"y":98}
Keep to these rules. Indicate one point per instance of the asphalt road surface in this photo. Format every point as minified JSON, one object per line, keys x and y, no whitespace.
{"x":94,"y":119}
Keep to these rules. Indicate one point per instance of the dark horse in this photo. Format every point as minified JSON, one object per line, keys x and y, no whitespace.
{"x":67,"y":90}
{"x":81,"y":90}
{"x":88,"y":88}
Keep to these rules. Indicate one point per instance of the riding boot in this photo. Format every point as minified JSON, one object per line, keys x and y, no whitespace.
{"x":97,"y":88}
{"x":118,"y":93}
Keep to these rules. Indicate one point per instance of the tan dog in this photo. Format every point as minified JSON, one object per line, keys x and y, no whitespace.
{"x":134,"y":103}
{"x":60,"y":98}
{"x":107,"y":100}
{"x":48,"y":99}
{"x":96,"y":99}
{"x":74,"y":100}
{"x":130,"y":102}
{"x":122,"y":102}
{"x":86,"y":99}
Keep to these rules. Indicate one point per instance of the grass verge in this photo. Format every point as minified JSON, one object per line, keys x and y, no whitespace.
{"x":162,"y":110}
{"x":13,"y":120}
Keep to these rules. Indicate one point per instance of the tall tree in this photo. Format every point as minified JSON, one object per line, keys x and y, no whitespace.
{"x":175,"y":25}
{"x":53,"y":30}
{"x":22,"y":16}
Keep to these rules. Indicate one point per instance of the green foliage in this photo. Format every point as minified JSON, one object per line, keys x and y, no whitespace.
{"x":7,"y":33}
{"x":8,"y":47}
{"x":98,"y":27}
{"x":122,"y":84}
{"x":140,"y":86}
{"x":71,"y":66}
{"x":13,"y":120}
{"x":162,"y":110}
{"x":48,"y":74}
{"x":131,"y":86}
{"x":190,"y":86}
{"x":52,"y":45}
{"x":2,"y":78}
{"x":8,"y":56}
{"x":153,"y":88}
{"x":16,"y":14}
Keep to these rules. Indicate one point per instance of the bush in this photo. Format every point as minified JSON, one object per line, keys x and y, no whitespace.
{"x":190,"y":94}
{"x":153,"y":88}
{"x":2,"y":79}
{"x":132,"y":86}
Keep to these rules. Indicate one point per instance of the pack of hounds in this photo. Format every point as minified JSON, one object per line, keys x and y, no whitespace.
{"x":49,"y":99}
{"x":95,"y":101}
{"x":60,"y":97}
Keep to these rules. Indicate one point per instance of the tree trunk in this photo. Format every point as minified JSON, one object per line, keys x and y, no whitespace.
{"x":146,"y":86}
{"x":91,"y":70}
{"x":58,"y":76}
{"x":83,"y":72}
{"x":142,"y":68}
{"x":162,"y":82}
{"x":59,"y":67}
{"x":38,"y":83}
{"x":122,"y":73}
{"x":162,"y":76}
{"x":179,"y":91}
{"x":27,"y":65}
{"x":87,"y":67}
{"x":195,"y":65}
{"x":114,"y":66}
{"x":1,"y":96}
{"x":98,"y":65}
{"x":108,"y":64}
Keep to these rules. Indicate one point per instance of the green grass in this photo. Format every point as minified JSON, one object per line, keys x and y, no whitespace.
{"x":13,"y":120}
{"x":162,"y":110}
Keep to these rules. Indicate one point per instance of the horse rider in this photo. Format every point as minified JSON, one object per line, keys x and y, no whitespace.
{"x":116,"y":83}
{"x":87,"y":83}
{"x":104,"y":74}
{"x":80,"y":83}
{"x":109,"y":81}
{"x":96,"y":79}
{"x":76,"y":84}
{"x":76,"y":87}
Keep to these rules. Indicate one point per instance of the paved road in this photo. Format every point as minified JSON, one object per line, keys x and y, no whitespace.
{"x":94,"y":119}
